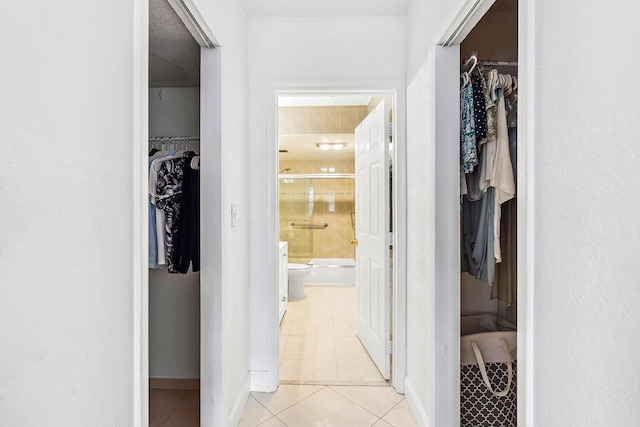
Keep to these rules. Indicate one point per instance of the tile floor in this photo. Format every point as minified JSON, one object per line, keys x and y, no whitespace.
{"x":318,"y":342}
{"x":326,"y":377}
{"x":327,"y":406}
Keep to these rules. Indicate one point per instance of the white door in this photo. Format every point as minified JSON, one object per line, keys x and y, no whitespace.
{"x":372,"y":235}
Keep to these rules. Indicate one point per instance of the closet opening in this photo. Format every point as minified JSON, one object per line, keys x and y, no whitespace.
{"x":489,"y":218}
{"x":174,"y":321}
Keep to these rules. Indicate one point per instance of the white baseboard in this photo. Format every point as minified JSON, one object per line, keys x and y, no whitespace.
{"x":241,"y":400}
{"x":418,"y":410}
{"x":262,"y":381}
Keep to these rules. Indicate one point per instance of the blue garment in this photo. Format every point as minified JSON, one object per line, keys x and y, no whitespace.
{"x":478,"y":237}
{"x":468,"y":153}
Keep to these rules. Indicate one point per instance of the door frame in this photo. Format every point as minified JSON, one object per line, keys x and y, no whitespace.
{"x":447,"y":58}
{"x":209,"y":92}
{"x":395,"y":89}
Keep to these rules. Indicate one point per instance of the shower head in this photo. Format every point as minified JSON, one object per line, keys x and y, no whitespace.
{"x":285,"y":170}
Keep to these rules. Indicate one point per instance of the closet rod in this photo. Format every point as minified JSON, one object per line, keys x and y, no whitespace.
{"x":498,"y":63}
{"x":173,"y":138}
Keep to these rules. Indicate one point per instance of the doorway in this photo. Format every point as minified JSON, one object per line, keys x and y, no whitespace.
{"x":317,"y":218}
{"x":174,"y":229}
{"x":510,"y":53}
{"x":174,"y":317}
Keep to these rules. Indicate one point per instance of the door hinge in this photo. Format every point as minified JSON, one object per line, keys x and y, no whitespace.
{"x":390,"y":129}
{"x":388,"y":347}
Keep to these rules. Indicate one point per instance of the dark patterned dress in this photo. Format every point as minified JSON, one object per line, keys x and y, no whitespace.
{"x":169,"y":198}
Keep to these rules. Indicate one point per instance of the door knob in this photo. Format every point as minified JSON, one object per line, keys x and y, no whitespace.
{"x":354,"y":242}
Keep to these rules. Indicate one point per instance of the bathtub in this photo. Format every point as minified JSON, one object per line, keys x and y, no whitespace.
{"x":331,"y":271}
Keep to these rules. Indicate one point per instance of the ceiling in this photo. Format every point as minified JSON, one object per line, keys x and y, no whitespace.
{"x":325,"y":8}
{"x":174,"y":55}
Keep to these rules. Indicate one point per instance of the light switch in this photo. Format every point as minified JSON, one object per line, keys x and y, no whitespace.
{"x":234,"y":214}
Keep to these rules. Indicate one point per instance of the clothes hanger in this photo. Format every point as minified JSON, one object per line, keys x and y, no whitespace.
{"x":464,"y":79}
{"x":473,"y":58}
{"x":195,"y":163}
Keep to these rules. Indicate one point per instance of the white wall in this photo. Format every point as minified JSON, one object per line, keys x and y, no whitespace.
{"x":69,"y":194}
{"x":587,"y":228}
{"x":586,"y":299}
{"x":66,"y":312}
{"x":433,"y":263}
{"x":174,"y":299}
{"x":315,"y":51}
{"x":224,"y":269}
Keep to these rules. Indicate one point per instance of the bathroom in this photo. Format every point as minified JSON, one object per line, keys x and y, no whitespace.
{"x":317,"y":220}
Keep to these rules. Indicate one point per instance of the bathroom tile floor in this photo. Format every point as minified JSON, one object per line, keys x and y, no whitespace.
{"x":318,"y":342}
{"x":326,"y":377}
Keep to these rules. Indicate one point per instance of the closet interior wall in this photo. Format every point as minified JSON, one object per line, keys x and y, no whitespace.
{"x":494,"y":38}
{"x":174,"y":299}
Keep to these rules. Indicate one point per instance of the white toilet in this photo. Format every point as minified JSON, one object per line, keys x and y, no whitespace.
{"x":297,"y":273}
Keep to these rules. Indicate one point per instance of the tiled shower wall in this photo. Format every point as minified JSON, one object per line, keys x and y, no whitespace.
{"x":332,"y":201}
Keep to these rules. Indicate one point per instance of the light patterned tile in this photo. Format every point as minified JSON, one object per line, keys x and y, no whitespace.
{"x":315,"y":120}
{"x":308,"y":370}
{"x":318,"y":311}
{"x":378,"y":400}
{"x":273,"y":422}
{"x":299,"y":121}
{"x":345,"y":327}
{"x":283,"y":346}
{"x":358,"y":369}
{"x":350,"y":347}
{"x":254,"y":414}
{"x":400,"y":415}
{"x":187,"y":414}
{"x":308,"y":327}
{"x":348,"y":119}
{"x":285,"y":397}
{"x":326,"y":408}
{"x":382,"y":423}
{"x":311,"y":347}
{"x":287,"y":321}
{"x":332,"y":120}
{"x":162,"y":403}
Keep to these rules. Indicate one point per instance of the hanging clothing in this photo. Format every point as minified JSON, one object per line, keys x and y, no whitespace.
{"x":187,"y":237}
{"x":502,"y":178}
{"x":468,"y":154}
{"x":478,"y":237}
{"x":506,"y":275}
{"x":489,"y":181}
{"x":168,"y":198}
{"x":491,"y":108}
{"x":479,"y":109}
{"x":156,"y":259}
